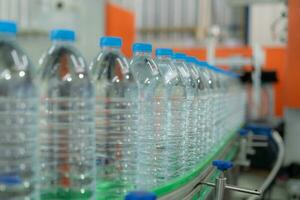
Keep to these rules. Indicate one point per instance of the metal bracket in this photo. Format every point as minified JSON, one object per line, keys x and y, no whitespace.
{"x":221,"y":182}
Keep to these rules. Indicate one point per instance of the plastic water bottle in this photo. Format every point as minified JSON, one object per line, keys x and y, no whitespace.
{"x":188,"y":155}
{"x":227,"y":103}
{"x":200,"y":111}
{"x":208,"y":136}
{"x":151,"y":109}
{"x":224,"y":109}
{"x":18,"y":119}
{"x":235,"y":101}
{"x":240,"y":99}
{"x":217,"y":99}
{"x":116,"y":120}
{"x":67,"y":136}
{"x":229,"y":92}
{"x":175,"y":123}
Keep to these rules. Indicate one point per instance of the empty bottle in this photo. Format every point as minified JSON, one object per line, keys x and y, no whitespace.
{"x":174,"y":133}
{"x":116,"y":120}
{"x":151,"y":108}
{"x":67,"y":136}
{"x":18,"y":119}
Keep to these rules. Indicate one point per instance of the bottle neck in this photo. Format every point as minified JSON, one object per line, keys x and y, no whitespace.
{"x":110,"y":48}
{"x":62,"y":43}
{"x":163,"y":57}
{"x":146,"y":54}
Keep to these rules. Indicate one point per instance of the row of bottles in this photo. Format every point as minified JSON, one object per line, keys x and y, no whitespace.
{"x":75,"y":131}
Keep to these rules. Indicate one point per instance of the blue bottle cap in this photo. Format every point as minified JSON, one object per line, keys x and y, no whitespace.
{"x":179,"y":56}
{"x":214,"y":68}
{"x":222,"y":165}
{"x":110,"y":41}
{"x":163,"y":52}
{"x":8,"y":27}
{"x":243,"y":132}
{"x":140,"y":195}
{"x":142,"y":47}
{"x":10,"y":180}
{"x":62,"y":35}
{"x":203,"y":64}
{"x":191,"y":59}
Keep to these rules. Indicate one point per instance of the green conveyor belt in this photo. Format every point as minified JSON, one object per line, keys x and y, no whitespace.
{"x":179,"y":182}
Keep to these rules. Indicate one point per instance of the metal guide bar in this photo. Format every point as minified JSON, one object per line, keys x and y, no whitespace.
{"x":201,"y":192}
{"x":181,"y":187}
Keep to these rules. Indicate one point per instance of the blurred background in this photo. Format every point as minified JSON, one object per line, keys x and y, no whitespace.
{"x":175,"y":23}
{"x":186,"y":25}
{"x":228,"y":28}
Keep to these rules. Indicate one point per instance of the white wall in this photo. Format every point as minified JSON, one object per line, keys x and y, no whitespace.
{"x":37,"y":17}
{"x":261,"y":18}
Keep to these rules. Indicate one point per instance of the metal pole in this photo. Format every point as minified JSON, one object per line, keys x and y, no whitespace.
{"x":220,"y":187}
{"x":243,"y":190}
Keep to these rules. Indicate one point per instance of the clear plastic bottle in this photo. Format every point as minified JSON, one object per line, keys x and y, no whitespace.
{"x":200,"y":110}
{"x":18,"y":119}
{"x":67,"y":136}
{"x":229,"y":92}
{"x":188,"y":144}
{"x":230,"y":104}
{"x":223,"y":104}
{"x":151,"y":109}
{"x":209,"y":107}
{"x":217,"y":99}
{"x":116,"y":120}
{"x":234,"y":101}
{"x":175,"y":123}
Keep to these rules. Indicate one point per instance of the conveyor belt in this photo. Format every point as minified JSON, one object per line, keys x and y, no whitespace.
{"x":186,"y":186}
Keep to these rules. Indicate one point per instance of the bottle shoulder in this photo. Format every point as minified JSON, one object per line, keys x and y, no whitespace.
{"x":145,"y":70}
{"x":111,"y":66}
{"x":13,"y":58}
{"x":16,"y":71}
{"x":168,"y":71}
{"x":63,"y":62}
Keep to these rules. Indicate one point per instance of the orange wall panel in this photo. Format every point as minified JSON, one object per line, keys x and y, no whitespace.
{"x":292,"y":71}
{"x":120,"y":22}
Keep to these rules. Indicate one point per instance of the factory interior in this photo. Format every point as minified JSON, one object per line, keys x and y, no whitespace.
{"x":149,"y":99}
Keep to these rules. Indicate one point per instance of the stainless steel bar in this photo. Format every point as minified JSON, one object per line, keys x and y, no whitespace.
{"x":187,"y":191}
{"x":220,"y":187}
{"x":243,"y":190}
{"x":208,"y":184}
{"x":234,"y":188}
